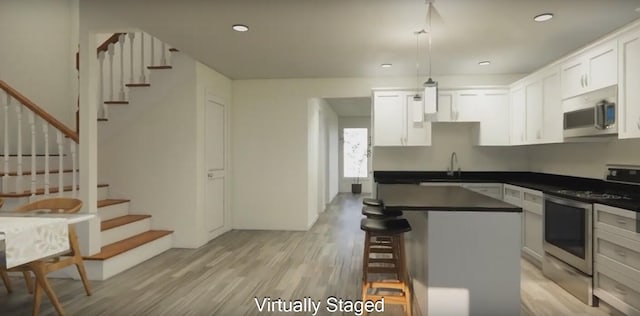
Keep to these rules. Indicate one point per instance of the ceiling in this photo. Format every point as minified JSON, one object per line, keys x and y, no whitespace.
{"x":350,"y":106}
{"x":340,"y":38}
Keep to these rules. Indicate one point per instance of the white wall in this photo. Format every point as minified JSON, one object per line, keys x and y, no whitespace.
{"x":448,"y":138}
{"x":151,"y":151}
{"x":583,"y":159}
{"x":39,"y":42}
{"x":270,"y":142}
{"x":333,"y":144}
{"x":359,"y":122}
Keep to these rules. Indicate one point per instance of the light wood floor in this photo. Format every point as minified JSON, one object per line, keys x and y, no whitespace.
{"x":223,"y":277}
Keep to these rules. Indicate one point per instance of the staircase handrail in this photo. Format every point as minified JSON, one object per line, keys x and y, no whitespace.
{"x":68,"y":132}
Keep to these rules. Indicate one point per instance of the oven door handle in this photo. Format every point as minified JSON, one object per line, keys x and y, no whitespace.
{"x":568,"y":202}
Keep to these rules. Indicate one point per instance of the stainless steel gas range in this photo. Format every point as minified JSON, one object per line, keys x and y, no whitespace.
{"x":568,"y":236}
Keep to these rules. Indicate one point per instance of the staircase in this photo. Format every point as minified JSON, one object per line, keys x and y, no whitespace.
{"x":127,"y":237}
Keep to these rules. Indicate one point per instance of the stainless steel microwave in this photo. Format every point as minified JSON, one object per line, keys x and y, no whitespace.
{"x":591,"y":114}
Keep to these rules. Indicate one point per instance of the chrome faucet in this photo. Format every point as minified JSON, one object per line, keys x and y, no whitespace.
{"x":453,"y":162}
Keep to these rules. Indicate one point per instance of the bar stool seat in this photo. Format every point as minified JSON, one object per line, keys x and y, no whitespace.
{"x":389,"y":258}
{"x":379,"y":213}
{"x":372,"y":202}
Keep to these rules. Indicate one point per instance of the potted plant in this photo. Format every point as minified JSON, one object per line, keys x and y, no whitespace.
{"x":359,"y":155}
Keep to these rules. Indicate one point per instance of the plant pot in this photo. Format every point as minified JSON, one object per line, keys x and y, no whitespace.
{"x":356,"y":188}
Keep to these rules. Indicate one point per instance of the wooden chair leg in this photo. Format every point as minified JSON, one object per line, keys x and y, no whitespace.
{"x":41,"y":281}
{"x":83,"y":276}
{"x":6,"y":281}
{"x":77,"y":258}
{"x":28,"y":282}
{"x":37,"y":296}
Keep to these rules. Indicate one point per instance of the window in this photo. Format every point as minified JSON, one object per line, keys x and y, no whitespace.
{"x":355,"y":152}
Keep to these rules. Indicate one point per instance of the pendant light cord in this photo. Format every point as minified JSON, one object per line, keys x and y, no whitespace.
{"x":429,"y":8}
{"x":417,"y":61}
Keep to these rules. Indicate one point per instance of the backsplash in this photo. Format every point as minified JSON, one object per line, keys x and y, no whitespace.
{"x":583,"y":159}
{"x":447,"y":138}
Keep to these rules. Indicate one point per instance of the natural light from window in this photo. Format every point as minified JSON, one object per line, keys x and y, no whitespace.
{"x":355,"y":152}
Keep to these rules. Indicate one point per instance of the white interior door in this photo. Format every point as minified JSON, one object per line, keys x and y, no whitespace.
{"x":215,"y":164}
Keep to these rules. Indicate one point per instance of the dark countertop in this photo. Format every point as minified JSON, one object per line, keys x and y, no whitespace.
{"x":547,"y":183}
{"x":412,"y":197}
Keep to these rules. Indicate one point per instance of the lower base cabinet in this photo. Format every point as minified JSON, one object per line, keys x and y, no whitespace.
{"x":532,"y":203}
{"x":616,"y":249}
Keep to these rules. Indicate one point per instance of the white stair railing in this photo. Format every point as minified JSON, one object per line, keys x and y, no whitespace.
{"x":20,"y":135}
{"x":134,"y":53}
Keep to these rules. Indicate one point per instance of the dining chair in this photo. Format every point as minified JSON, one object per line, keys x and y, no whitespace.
{"x":42,"y":267}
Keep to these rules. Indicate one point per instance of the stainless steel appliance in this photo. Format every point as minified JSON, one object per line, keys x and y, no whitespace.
{"x":567,"y":231}
{"x":591,"y":114}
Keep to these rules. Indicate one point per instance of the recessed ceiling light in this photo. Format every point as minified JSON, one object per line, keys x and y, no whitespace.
{"x":543,"y":17}
{"x":240,"y":27}
{"x":385,"y":65}
{"x":484,"y":63}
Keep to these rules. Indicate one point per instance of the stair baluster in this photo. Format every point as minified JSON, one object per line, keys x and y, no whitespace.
{"x":32,"y":125}
{"x":59,"y":140}
{"x":45,"y":131}
{"x":163,"y":58}
{"x":131,"y":43}
{"x":5,"y":176}
{"x":101,"y":104}
{"x":112,"y":52}
{"x":121,"y":42}
{"x":143,"y":78}
{"x":74,"y":181}
{"x":19,"y":150}
{"x":153,"y":51}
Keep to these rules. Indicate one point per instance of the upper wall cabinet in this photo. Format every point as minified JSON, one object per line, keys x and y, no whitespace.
{"x":398,"y":120}
{"x":629,"y":85}
{"x":517,"y":115}
{"x":552,"y":125}
{"x":594,"y":69}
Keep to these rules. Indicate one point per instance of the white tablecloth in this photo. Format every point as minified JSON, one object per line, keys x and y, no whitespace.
{"x":31,"y":238}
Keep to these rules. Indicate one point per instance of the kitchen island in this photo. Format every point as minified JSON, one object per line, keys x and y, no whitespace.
{"x":463,"y":252}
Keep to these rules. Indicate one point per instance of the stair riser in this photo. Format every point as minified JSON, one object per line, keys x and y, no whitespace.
{"x":40,"y":163}
{"x":125,"y":231}
{"x":13,"y":203}
{"x":102,"y":270}
{"x":8,"y":183}
{"x":113,"y":211}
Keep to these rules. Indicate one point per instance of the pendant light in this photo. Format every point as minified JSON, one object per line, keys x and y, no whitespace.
{"x":430,"y":86}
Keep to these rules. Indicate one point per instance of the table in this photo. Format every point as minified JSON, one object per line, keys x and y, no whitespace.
{"x":27,"y":238}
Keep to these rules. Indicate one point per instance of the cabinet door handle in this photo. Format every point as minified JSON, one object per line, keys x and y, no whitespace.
{"x":582,"y":81}
{"x":638,"y":123}
{"x":621,"y":253}
{"x":586,"y":80}
{"x":621,"y":222}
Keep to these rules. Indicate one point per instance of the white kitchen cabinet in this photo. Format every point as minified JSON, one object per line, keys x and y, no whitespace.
{"x":533,"y":110}
{"x":468,"y":105}
{"x":494,"y":118}
{"x":594,"y":69}
{"x":629,"y":85}
{"x":617,"y":258}
{"x":552,"y":127}
{"x":394,"y":121}
{"x":445,"y":106}
{"x":517,"y":115}
{"x":532,"y":205}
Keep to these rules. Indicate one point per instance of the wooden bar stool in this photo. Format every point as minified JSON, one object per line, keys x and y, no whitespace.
{"x":388,"y":259}
{"x":372,"y":202}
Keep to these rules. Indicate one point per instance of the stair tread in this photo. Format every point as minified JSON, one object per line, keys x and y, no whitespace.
{"x":109,"y":202}
{"x":121,"y":221}
{"x":160,"y":67}
{"x":116,"y":102}
{"x":28,"y":173}
{"x":116,"y":248}
{"x":40,"y":191}
{"x":138,"y":85}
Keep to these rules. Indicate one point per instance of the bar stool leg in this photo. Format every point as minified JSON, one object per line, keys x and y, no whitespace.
{"x":365,"y":264}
